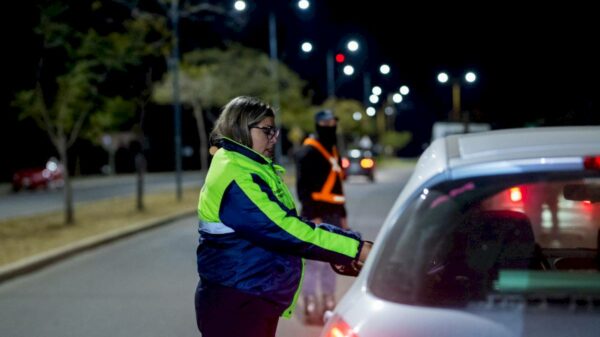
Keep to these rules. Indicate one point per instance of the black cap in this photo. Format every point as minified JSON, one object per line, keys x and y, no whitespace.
{"x":324,"y":115}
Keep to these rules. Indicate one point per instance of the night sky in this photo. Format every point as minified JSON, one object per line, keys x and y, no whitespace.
{"x":535,"y":65}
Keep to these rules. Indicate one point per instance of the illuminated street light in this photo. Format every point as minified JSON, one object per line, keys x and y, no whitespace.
{"x":404,"y":90}
{"x":376,"y":90}
{"x":470,"y":77}
{"x":303,"y":4}
{"x":443,"y":77}
{"x":353,"y":45}
{"x":384,"y":69}
{"x":348,"y":70}
{"x":397,"y":98}
{"x":239,"y":5}
{"x":306,"y":47}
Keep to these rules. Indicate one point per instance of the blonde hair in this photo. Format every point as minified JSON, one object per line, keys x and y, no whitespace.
{"x":237,"y":117}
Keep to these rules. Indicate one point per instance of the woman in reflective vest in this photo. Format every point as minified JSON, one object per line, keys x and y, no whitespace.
{"x":252,"y":241}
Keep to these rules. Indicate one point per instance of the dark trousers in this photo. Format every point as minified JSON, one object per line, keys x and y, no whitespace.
{"x":227,"y":312}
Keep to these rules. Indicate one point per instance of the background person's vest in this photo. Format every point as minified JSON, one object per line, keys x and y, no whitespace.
{"x":325,"y":194}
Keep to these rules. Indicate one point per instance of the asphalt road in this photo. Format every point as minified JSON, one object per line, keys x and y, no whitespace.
{"x":90,"y":189}
{"x":144,"y":285}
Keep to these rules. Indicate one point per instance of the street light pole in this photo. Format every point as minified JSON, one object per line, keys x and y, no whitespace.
{"x":366,"y":87}
{"x":240,"y":5}
{"x":470,"y":77}
{"x":275,"y":74}
{"x":456,"y":100}
{"x":330,"y":74}
{"x":174,"y":64}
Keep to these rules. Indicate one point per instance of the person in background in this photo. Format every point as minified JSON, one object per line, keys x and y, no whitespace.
{"x":252,"y":241}
{"x":320,"y":191}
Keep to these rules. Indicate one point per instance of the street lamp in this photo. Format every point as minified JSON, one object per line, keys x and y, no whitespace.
{"x":175,"y":14}
{"x":348,"y":70}
{"x":174,"y":67}
{"x":240,"y":5}
{"x":469,"y":77}
{"x":331,"y":59}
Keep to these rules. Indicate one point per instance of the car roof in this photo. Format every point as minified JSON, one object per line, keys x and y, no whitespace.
{"x":455,"y":155}
{"x":512,"y":144}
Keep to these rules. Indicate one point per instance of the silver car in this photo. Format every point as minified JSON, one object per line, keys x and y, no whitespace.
{"x":495,"y":234}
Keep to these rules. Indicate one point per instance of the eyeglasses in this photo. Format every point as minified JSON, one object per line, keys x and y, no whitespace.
{"x":270,"y":131}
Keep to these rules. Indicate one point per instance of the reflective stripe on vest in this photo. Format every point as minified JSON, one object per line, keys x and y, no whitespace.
{"x":215,"y":228}
{"x":325,"y":194}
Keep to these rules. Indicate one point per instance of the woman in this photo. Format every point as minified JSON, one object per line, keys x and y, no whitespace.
{"x":251,"y":239}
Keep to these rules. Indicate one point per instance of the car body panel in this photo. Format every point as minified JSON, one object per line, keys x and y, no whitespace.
{"x":501,"y":320}
{"x":473,"y":156}
{"x":50,"y":176}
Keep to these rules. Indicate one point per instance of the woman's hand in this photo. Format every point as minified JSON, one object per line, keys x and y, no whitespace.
{"x":364,"y":252}
{"x":355,"y":266}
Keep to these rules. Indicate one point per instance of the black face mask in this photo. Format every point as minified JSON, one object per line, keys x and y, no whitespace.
{"x":326,"y":135}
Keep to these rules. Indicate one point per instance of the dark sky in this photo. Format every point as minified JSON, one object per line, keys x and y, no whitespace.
{"x":534,"y":64}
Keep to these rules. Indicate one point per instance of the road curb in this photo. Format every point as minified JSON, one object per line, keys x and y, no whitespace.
{"x":42,"y":260}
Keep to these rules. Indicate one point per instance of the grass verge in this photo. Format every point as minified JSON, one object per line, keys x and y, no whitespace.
{"x":24,"y":237}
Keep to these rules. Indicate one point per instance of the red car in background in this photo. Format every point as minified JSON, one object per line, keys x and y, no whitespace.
{"x":50,"y":176}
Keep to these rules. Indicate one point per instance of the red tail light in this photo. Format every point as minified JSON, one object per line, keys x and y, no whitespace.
{"x":345,"y":162}
{"x":515,"y":194}
{"x":592,"y":163}
{"x":337,"y":327}
{"x":367,"y":163}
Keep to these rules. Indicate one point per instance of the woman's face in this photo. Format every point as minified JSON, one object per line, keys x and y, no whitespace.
{"x":264,"y":136}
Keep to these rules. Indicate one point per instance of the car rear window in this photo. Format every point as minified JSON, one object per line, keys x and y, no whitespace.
{"x":472,"y":241}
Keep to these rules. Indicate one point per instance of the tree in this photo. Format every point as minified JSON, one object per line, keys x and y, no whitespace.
{"x":394,"y":140}
{"x":73,"y":72}
{"x":210,"y":78}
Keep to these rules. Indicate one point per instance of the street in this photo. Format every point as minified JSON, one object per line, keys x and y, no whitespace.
{"x":90,"y":189}
{"x":144,"y":285}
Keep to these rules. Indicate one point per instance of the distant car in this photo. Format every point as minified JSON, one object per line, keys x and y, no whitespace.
{"x":50,"y":176}
{"x":495,"y":234}
{"x":359,"y":162}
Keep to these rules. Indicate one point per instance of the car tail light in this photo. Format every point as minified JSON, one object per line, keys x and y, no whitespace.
{"x":367,"y":163}
{"x":592,"y":163}
{"x":515,"y":194}
{"x":337,"y":327}
{"x":345,"y":163}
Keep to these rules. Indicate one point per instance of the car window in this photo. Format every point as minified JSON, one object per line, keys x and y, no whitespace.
{"x":469,"y":241}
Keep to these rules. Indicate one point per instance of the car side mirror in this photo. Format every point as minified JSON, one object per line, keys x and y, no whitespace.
{"x":582,"y":192}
